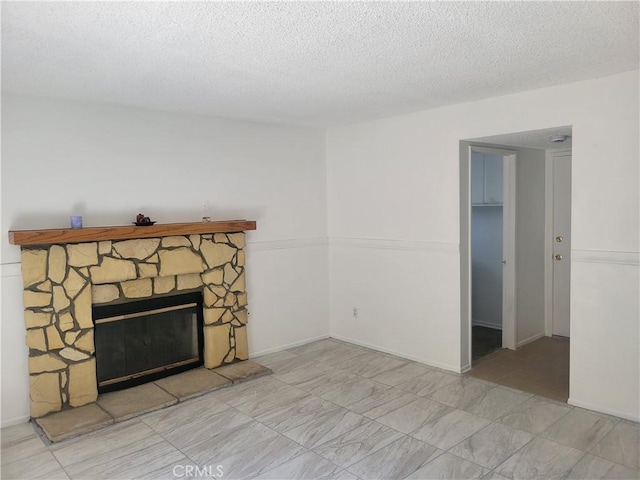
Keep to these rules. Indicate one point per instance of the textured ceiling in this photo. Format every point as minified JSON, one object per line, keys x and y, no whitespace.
{"x":308,"y":63}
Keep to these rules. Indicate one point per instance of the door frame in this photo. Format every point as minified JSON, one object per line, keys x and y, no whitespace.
{"x":508,"y":244}
{"x":548,"y":236}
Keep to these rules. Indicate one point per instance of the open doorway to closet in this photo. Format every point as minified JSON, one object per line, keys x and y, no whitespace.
{"x":537,"y":359}
{"x":492,"y":250}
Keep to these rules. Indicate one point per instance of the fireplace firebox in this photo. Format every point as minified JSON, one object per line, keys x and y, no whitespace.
{"x":141,"y":341}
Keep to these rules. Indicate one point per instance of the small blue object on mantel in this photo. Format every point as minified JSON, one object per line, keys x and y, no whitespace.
{"x":76,"y":221}
{"x":142,"y":221}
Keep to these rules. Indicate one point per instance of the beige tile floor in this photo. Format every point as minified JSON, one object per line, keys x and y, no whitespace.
{"x":336,"y":411}
{"x":541,"y":368}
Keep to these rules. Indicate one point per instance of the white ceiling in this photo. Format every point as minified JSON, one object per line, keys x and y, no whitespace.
{"x":308,"y":63}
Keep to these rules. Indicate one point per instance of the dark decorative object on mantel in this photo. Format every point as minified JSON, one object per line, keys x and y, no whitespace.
{"x":142,"y":221}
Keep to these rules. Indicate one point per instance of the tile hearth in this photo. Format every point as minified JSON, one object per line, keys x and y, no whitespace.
{"x":122,"y":405}
{"x":299,"y":423}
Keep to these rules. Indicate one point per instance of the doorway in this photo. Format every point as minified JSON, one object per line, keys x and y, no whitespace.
{"x":536,"y":354}
{"x":492,"y":253}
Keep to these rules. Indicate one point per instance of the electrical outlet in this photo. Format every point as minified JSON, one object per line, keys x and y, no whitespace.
{"x":206,"y":216}
{"x":355,"y":312}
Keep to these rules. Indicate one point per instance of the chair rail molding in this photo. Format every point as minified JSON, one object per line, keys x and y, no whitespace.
{"x":392,"y":244}
{"x":605,"y":256}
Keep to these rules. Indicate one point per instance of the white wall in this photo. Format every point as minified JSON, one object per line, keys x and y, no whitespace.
{"x":109,"y":163}
{"x":394,"y":214}
{"x":530,"y":235}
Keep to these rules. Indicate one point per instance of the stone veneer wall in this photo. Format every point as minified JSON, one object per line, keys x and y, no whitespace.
{"x":61,"y":282}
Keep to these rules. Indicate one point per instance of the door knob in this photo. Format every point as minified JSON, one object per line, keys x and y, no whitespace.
{"x":558,"y":257}
{"x":559,"y":239}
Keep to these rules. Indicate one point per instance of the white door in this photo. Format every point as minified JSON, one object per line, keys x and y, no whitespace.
{"x":561,"y":165}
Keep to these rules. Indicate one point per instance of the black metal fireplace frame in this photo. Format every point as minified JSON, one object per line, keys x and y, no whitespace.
{"x":111,"y":310}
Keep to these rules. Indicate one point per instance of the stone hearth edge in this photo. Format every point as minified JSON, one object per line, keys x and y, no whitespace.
{"x":122,"y":405}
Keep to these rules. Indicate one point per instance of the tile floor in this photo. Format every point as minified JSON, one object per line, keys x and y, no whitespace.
{"x":336,"y":411}
{"x":541,"y":368}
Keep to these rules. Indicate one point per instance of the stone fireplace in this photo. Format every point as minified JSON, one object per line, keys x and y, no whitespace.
{"x":63,"y":280}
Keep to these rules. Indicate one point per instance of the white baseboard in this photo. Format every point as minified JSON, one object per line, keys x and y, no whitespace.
{"x":424,"y":361}
{"x":532,"y":338}
{"x":480,"y":323}
{"x":607,"y":411}
{"x":15,"y":421}
{"x":429,"y":363}
{"x":287,"y":346}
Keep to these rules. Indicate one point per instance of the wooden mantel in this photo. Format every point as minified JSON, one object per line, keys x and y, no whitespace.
{"x":96,"y":234}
